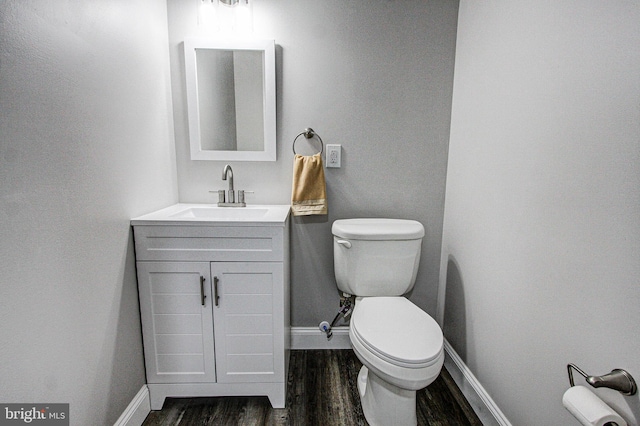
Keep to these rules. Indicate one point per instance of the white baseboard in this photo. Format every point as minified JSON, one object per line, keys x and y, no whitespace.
{"x":301,"y":338}
{"x":483,"y":405}
{"x":313,"y":338}
{"x":137,"y":410}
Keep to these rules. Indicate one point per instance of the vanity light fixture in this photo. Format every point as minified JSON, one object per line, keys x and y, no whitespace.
{"x":226,"y":17}
{"x":231,"y":3}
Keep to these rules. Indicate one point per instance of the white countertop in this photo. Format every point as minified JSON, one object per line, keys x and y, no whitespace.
{"x":211,"y":214}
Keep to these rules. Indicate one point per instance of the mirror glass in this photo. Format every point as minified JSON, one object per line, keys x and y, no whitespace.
{"x":231,"y":99}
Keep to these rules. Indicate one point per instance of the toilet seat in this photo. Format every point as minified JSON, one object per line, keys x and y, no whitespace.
{"x":397,"y":331}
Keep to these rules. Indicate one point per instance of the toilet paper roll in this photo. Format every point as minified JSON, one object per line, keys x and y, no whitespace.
{"x":588,"y":408}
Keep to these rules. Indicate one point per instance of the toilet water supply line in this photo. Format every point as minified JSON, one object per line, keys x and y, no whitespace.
{"x":344,"y":312}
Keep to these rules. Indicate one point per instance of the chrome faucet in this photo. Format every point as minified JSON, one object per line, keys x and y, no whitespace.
{"x":231,"y":198}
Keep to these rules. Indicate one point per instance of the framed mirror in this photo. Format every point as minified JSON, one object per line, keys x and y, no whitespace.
{"x":231,"y":99}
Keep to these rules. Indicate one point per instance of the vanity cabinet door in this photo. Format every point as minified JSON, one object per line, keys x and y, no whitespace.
{"x":249,"y":321}
{"x":177,"y":323}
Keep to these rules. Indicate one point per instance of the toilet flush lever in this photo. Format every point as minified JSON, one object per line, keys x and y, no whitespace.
{"x":344,"y":243}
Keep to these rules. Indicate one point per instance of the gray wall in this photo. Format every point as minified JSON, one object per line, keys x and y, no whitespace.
{"x":85,"y":144}
{"x":369,"y":75}
{"x":541,"y":242}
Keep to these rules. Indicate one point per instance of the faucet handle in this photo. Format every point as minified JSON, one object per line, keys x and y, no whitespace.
{"x":220,"y":195}
{"x":241,"y":193}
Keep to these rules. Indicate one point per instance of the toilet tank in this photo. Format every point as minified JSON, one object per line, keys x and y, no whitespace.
{"x":376,"y":257}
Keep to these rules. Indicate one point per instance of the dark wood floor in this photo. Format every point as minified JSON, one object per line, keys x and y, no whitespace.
{"x":321,"y":391}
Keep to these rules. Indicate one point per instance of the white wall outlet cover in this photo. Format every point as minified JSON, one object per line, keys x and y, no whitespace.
{"x":334,"y":155}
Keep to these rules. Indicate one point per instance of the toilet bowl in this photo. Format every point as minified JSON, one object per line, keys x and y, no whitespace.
{"x":401,"y":349}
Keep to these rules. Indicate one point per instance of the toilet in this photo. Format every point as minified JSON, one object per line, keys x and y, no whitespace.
{"x":399,"y":345}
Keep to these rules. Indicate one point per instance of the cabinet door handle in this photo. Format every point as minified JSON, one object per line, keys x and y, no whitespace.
{"x":202,"y":296}
{"x":215,"y":290}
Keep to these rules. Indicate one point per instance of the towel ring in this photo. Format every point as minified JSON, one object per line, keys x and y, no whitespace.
{"x":308,"y":133}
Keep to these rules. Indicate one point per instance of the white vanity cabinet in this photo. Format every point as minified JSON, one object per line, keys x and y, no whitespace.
{"x":214,"y":304}
{"x":177,"y":327}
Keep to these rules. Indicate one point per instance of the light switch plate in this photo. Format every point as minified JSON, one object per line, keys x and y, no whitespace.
{"x":334,"y":155}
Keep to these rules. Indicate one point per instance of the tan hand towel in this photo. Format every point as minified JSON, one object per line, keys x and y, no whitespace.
{"x":309,"y":192}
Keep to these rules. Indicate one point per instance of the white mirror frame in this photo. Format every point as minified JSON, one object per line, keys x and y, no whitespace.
{"x":269,"y":99}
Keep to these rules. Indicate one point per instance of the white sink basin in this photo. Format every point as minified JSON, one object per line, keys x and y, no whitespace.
{"x":208,"y":214}
{"x":222,"y":213}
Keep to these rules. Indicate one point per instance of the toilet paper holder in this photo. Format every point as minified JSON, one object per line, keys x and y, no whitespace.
{"x":618,"y":379}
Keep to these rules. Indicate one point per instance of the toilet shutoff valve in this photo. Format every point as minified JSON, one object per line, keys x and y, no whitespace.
{"x":326,"y":328}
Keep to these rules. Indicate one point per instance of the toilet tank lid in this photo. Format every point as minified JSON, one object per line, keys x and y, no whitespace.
{"x":378,"y":229}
